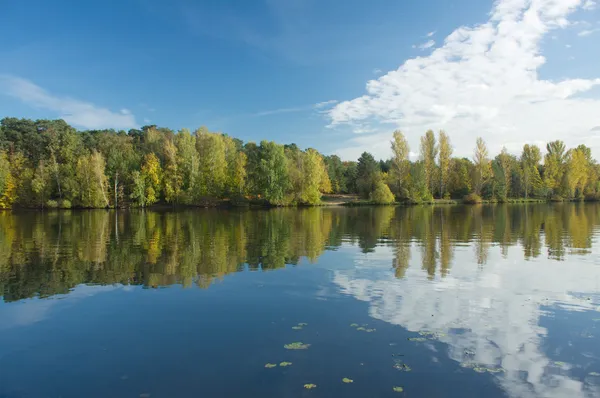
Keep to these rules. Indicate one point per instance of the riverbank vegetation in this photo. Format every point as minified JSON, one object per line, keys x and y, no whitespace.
{"x":47,"y":163}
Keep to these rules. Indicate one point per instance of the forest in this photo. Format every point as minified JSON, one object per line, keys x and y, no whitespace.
{"x":50,"y":164}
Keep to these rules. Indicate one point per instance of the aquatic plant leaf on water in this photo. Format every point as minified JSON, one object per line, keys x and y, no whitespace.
{"x":284,"y":364}
{"x":270,"y":365}
{"x":419,"y":339}
{"x":360,"y":328}
{"x":297,"y":327}
{"x":310,"y":386}
{"x":401,"y":366}
{"x":559,"y":363}
{"x":594,"y":374}
{"x":347,"y":380}
{"x":479,"y":369}
{"x":398,"y":389}
{"x":370,"y":330}
{"x":354,"y":325}
{"x":296,"y":346}
{"x":303,"y":324}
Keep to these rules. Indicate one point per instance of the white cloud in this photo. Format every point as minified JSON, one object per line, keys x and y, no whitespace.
{"x":325,"y":104}
{"x":587,"y":32}
{"x":377,"y":71}
{"x":483,"y":81}
{"x":430,"y":34}
{"x":147,"y":121}
{"x":567,"y":45}
{"x":73,"y":111}
{"x":589,"y":4}
{"x":303,"y":108}
{"x":424,"y":46}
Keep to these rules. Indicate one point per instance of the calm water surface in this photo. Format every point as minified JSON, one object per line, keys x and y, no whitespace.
{"x":498,"y":301}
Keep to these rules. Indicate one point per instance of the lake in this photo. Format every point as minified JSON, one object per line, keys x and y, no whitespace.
{"x":457,"y":301}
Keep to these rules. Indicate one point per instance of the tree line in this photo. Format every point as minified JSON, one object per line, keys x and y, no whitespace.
{"x":44,"y":254}
{"x":561,"y":174}
{"x":48,"y":163}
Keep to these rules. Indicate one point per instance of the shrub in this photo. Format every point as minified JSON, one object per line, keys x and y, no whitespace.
{"x":556,"y":198}
{"x":52,"y":204}
{"x":65,"y":204}
{"x":472,"y":199}
{"x":382,"y":194}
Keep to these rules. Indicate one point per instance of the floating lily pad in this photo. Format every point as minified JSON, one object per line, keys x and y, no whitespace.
{"x":370,"y":330}
{"x":270,"y":365}
{"x":594,"y":374}
{"x":417,"y":339}
{"x":398,"y":389}
{"x":347,"y":380}
{"x":296,"y":346}
{"x":559,"y":363}
{"x":399,"y":365}
{"x":284,"y":364}
{"x":426,"y":333}
{"x":310,"y":386}
{"x":297,"y":327}
{"x":360,"y":328}
{"x":354,"y":325}
{"x":479,"y":369}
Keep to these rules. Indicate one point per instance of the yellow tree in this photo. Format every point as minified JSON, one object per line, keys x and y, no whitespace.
{"x":151,"y":175}
{"x":429,"y":151}
{"x":315,"y":177}
{"x":238,"y":174}
{"x":554,"y":165}
{"x":7,"y":183}
{"x":482,"y":170}
{"x":93,"y":184}
{"x":213,"y":163}
{"x":444,"y":161}
{"x":400,"y":164}
{"x":577,"y":171}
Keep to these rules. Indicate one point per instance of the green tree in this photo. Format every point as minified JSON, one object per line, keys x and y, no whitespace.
{"x":121,"y":159}
{"x":335,"y":170}
{"x":461,"y":183}
{"x":530,"y":157}
{"x":172,"y":178}
{"x":41,"y":184}
{"x":505,"y":162}
{"x":367,"y":174}
{"x":273,"y":175}
{"x":188,"y":165}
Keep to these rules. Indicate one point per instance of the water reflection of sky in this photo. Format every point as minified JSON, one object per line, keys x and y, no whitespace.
{"x":500,"y":314}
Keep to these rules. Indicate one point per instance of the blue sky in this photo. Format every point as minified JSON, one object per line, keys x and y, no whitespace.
{"x":298,"y":70}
